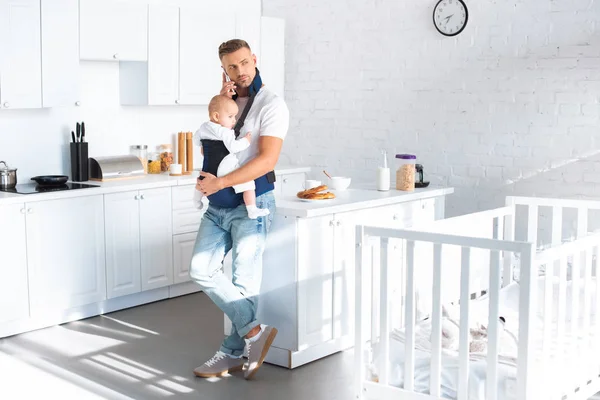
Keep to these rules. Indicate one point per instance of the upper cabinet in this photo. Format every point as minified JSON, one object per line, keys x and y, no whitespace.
{"x":183,"y":65}
{"x":113,"y":30}
{"x":60,"y":53}
{"x":20,"y":55}
{"x":39,"y":56}
{"x":202,"y":31}
{"x":167,"y":53}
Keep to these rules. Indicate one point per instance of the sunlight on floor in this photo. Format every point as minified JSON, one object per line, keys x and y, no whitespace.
{"x":130,"y":325}
{"x":134,"y":363}
{"x":18,"y":375}
{"x":68,"y":342}
{"x":110,"y":331}
{"x":122,"y":367}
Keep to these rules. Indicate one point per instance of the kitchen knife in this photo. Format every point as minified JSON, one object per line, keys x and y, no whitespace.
{"x":73,"y":136}
{"x":83,"y":131}
{"x":78,"y":131}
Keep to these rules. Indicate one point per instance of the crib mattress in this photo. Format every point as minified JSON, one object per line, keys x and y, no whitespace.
{"x":555,"y":375}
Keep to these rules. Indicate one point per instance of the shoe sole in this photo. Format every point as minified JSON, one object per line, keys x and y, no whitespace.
{"x":265,"y":350}
{"x":218,"y":374}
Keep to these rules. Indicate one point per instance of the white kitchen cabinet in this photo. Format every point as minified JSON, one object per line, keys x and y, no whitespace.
{"x":183,"y":64}
{"x":186,"y":217}
{"x":202,"y":31}
{"x":248,"y":24}
{"x":20,"y":54}
{"x":163,"y":54}
{"x":60,"y":53}
{"x":14,"y":293}
{"x":139,"y":233}
{"x":183,"y":248}
{"x":113,"y":30}
{"x":65,"y":253}
{"x":123,"y":262}
{"x":156,"y":238}
{"x":315,"y":280}
{"x":272,"y":48}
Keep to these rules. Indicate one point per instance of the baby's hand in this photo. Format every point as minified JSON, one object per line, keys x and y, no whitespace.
{"x":249,"y":137}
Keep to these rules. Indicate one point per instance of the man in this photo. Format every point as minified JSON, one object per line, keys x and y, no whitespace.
{"x":226,"y":226}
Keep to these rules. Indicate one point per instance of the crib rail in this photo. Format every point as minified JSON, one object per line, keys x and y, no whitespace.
{"x":439,"y":240}
{"x":582,"y":253}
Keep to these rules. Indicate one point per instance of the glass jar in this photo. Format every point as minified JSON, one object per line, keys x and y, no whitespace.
{"x":166,"y":156}
{"x":141,"y":152}
{"x":154,"y":163}
{"x":405,"y":175}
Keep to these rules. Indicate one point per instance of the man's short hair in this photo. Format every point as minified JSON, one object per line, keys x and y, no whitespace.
{"x":232,"y":46}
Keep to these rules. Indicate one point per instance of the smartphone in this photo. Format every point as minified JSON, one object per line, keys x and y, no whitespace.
{"x":228,"y":80}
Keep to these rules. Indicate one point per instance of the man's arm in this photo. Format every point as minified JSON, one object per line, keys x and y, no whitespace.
{"x":269,"y":148}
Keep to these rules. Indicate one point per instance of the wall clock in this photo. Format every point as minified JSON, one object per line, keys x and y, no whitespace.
{"x":450,"y":17}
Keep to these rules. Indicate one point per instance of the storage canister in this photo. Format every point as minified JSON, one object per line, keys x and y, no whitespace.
{"x":405,"y":175}
{"x":141,"y":152}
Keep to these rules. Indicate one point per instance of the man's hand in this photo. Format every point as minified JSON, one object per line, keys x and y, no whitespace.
{"x":210,"y":184}
{"x":228,"y":88}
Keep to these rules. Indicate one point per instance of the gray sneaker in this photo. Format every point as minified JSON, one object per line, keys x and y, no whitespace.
{"x":220,"y":364}
{"x":258,"y":350}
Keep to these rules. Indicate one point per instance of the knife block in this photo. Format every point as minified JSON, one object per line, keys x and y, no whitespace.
{"x":80,"y":171}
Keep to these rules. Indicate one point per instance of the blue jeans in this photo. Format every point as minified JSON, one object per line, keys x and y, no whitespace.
{"x":222,"y":230}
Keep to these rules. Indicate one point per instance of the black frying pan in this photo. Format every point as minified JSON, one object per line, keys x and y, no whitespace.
{"x":50,"y":180}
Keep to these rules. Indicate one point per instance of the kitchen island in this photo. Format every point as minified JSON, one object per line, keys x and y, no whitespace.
{"x":307,"y":291}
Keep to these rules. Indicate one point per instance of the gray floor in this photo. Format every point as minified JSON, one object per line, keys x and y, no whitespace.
{"x":149,"y":352}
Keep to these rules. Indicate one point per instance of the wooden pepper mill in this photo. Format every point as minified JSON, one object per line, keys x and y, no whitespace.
{"x":185,"y":152}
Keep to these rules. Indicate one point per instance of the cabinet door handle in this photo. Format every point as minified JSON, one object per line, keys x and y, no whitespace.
{"x":396,"y":217}
{"x":331,"y":223}
{"x":137,"y":197}
{"x":77,"y":103}
{"x":6,"y":105}
{"x":30,"y":211}
{"x":176,"y":101}
{"x":22,"y":211}
{"x":116,"y":55}
{"x":338,"y":223}
{"x":142,"y":197}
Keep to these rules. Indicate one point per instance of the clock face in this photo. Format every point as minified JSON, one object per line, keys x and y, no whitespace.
{"x":450,"y":17}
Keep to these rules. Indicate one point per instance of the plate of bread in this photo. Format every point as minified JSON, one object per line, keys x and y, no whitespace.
{"x":318,"y":193}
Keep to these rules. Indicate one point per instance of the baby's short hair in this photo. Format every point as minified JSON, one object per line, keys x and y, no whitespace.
{"x":217,"y":102}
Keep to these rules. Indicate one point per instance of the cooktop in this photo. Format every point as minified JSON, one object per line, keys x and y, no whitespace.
{"x":31,"y":188}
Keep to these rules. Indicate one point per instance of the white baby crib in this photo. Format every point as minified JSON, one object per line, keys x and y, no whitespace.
{"x":460,"y":309}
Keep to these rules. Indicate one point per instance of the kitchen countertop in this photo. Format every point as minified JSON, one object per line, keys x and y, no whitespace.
{"x":353,"y":199}
{"x":140,"y":183}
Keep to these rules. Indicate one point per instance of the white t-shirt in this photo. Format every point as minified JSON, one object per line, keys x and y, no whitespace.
{"x":269,"y":116}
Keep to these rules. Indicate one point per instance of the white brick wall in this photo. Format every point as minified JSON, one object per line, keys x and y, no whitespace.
{"x":511,"y":106}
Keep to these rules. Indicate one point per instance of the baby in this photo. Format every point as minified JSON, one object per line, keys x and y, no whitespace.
{"x":222,"y":112}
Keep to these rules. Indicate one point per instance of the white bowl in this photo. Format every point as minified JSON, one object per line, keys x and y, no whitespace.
{"x":339,"y":182}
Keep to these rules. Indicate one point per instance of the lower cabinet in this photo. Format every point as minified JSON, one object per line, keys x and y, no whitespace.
{"x":139,"y":246}
{"x":65,"y":253}
{"x":14,"y":292}
{"x":183,"y":249}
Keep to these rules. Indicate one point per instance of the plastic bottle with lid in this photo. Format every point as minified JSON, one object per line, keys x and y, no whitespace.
{"x":405,"y":175}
